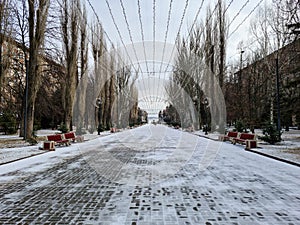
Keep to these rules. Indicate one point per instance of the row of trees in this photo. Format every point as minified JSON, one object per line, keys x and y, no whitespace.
{"x":201,"y":79}
{"x":50,"y":52}
{"x":199,"y":72}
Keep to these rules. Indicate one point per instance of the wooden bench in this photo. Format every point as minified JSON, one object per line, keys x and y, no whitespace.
{"x":70,"y":136}
{"x":248,"y":139}
{"x":229,"y":136}
{"x":48,"y":145}
{"x":59,"y":139}
{"x":73,"y":137}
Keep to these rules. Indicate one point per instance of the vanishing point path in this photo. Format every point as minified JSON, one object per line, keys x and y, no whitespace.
{"x":150,"y":175}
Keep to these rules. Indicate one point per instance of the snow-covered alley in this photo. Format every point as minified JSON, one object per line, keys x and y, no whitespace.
{"x":149,"y":175}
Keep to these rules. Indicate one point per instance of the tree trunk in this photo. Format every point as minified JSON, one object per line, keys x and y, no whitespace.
{"x":37,"y":25}
{"x":70,"y":41}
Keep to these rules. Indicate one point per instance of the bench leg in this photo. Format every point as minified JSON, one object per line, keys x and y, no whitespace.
{"x":48,"y":145}
{"x":250,"y":144}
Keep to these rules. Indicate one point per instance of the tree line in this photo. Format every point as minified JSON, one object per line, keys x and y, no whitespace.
{"x":54,"y":64}
{"x":202,"y":74}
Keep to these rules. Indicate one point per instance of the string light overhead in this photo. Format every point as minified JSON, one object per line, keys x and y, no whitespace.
{"x":169,"y":19}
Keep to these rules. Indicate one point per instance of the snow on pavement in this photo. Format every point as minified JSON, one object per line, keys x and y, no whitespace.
{"x":147,"y":140}
{"x":211,"y":183}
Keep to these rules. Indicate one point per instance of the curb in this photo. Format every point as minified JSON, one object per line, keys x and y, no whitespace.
{"x":26,"y":157}
{"x":274,"y":157}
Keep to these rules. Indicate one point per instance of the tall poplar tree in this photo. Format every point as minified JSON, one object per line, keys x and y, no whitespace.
{"x":37,"y":19}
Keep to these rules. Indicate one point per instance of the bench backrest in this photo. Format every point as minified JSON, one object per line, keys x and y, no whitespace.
{"x":70,"y":135}
{"x":55,"y":137}
{"x":232,"y":134}
{"x":246,"y":136}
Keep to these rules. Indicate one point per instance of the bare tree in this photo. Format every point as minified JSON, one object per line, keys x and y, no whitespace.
{"x":111,"y":91}
{"x":124,"y":87}
{"x":37,"y":18}
{"x":83,"y":76}
{"x":21,"y":31}
{"x":98,"y":49}
{"x":6,"y":38}
{"x":269,"y":28}
{"x":199,"y":70}
{"x":70,"y":26}
{"x":222,"y":34}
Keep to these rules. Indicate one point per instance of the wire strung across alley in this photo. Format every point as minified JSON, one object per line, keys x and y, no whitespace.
{"x":131,"y":38}
{"x":129,"y":31}
{"x":96,"y":34}
{"x":194,"y":22}
{"x":153,"y":41}
{"x":142,"y":32}
{"x":191,"y":29}
{"x":165,"y":42}
{"x":167,"y":31}
{"x":122,"y":41}
{"x":143,"y":36}
{"x":154,"y":5}
{"x":89,"y":26}
{"x":238,"y":13}
{"x":107,"y":36}
{"x":179,"y":29}
{"x":245,"y":18}
{"x":211,"y":15}
{"x":119,"y":33}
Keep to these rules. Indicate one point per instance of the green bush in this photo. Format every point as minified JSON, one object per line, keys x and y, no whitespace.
{"x":240,"y":126}
{"x":271,"y":134}
{"x":63,"y":128}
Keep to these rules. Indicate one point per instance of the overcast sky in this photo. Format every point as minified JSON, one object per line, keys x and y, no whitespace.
{"x":104,"y":9}
{"x":161,"y":18}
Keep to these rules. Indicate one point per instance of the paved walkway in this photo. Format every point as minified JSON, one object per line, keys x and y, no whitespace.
{"x":151,"y":175}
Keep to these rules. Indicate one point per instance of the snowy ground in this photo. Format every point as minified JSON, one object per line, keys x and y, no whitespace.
{"x":288,"y":148}
{"x":13,"y":147}
{"x":149,"y":175}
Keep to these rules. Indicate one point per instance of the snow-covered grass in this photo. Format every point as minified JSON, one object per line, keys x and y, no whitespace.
{"x":288,"y":148}
{"x":13,"y":147}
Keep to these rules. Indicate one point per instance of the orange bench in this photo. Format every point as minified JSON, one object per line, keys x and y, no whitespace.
{"x":59,"y":139}
{"x":245,"y":138}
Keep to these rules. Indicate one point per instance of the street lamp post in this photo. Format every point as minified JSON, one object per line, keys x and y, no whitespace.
{"x":99,"y":105}
{"x":240,"y":86}
{"x":206,"y":116}
{"x":278,"y":95}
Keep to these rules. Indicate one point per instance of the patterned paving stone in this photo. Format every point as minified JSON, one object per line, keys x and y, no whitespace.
{"x":238,"y":187}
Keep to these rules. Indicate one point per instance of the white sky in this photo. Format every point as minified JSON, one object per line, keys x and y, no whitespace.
{"x":161,"y":17}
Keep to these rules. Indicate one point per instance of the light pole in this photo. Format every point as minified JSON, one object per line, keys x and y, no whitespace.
{"x":99,"y":105}
{"x":278,"y":94}
{"x":206,"y":116}
{"x":240,"y":86}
